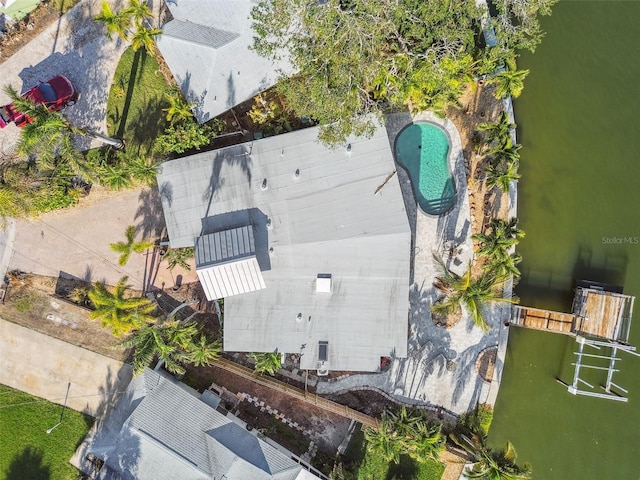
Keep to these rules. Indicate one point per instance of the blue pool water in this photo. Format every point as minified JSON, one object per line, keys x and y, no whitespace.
{"x":422,"y":150}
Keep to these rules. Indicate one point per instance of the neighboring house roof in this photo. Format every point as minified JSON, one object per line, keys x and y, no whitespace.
{"x":314,"y":211}
{"x":206,"y":46}
{"x":159,"y":430}
{"x":15,"y":10}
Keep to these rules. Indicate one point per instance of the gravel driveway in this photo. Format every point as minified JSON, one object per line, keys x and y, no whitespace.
{"x":76,"y":47}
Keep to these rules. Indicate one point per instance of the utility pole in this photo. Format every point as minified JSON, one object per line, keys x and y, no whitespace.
{"x":62,"y":412}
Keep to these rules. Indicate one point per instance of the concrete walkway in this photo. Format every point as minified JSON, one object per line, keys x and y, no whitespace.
{"x":43,"y":366}
{"x":76,"y":241}
{"x":440,"y":369}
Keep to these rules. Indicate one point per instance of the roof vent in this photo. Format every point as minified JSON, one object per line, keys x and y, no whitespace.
{"x":264,"y":184}
{"x":299,"y":317}
{"x":269,"y":225}
{"x":348,"y":148}
{"x":296,"y":174}
{"x":323,"y":283}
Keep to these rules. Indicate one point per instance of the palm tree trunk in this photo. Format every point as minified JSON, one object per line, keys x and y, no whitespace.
{"x":115,"y":143}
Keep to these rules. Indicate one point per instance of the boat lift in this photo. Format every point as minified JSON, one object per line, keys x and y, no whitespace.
{"x":610,"y":394}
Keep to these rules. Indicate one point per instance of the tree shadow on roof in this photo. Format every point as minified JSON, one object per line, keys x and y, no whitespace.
{"x":195,"y":98}
{"x":237,"y":155}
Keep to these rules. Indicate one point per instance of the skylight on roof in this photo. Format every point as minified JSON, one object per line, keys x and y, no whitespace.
{"x":323,"y":283}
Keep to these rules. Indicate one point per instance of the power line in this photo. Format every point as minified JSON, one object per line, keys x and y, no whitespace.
{"x":53,"y":400}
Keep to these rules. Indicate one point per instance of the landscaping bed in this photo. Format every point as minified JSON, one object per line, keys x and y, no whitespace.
{"x":29,"y":301}
{"x":327,"y":429}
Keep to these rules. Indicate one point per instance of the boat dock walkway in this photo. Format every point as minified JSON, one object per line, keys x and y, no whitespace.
{"x":596,"y":312}
{"x":540,"y":319}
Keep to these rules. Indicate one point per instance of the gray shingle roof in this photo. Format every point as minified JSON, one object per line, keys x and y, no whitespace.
{"x":172,"y":434}
{"x":207,"y":48}
{"x":328,"y":219}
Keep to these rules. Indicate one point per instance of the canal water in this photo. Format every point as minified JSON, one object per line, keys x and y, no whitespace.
{"x":579,"y":203}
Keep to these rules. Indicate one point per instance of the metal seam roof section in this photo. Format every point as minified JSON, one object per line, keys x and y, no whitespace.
{"x":228,"y":279}
{"x":224,"y":246}
{"x":323,"y":212}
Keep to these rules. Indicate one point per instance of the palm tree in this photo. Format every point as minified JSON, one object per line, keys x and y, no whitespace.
{"x":383,"y":442}
{"x":142,"y":170}
{"x":139,"y":12}
{"x":509,"y":83}
{"x":178,"y":256}
{"x":144,"y":37}
{"x":429,"y":442}
{"x":501,"y":175}
{"x":471,"y":293}
{"x":505,"y":153}
{"x":496,"y":464}
{"x":505,"y":266}
{"x":50,"y":136}
{"x":173,"y":342}
{"x":498,"y":132}
{"x":14,"y":203}
{"x":117,"y":311}
{"x":126,"y":248}
{"x":405,"y":433}
{"x":114,"y":177}
{"x":117,"y":23}
{"x":178,"y":108}
{"x":501,"y":237}
{"x":496,"y":246}
{"x":202,"y":352}
{"x":268,"y":363}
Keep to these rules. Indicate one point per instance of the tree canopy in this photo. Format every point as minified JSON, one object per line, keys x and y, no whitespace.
{"x":357,"y":58}
{"x":118,"y":311}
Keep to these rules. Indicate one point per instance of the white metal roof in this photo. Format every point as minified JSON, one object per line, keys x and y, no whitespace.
{"x":328,"y":219}
{"x":233,"y":278}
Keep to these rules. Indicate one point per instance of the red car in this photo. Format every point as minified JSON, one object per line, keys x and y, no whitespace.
{"x":55,"y":94}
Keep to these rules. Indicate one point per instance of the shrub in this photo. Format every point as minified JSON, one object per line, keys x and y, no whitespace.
{"x":187,"y":135}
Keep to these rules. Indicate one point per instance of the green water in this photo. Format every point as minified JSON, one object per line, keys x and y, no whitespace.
{"x":422,"y":149}
{"x":579,"y":203}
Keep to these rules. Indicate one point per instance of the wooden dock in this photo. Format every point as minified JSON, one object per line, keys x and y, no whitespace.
{"x":539,"y":319}
{"x":595,"y":313}
{"x":602,"y":314}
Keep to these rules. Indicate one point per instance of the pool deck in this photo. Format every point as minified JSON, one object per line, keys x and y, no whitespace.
{"x":440,"y":369}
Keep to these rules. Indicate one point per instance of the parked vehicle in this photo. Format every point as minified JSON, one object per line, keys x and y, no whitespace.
{"x":55,"y":94}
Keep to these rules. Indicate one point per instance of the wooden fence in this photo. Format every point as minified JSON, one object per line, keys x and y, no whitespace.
{"x":294,"y":392}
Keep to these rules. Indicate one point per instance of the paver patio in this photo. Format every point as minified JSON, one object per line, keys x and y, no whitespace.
{"x":440,"y":369}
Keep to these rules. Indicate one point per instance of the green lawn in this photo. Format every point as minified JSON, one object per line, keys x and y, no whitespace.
{"x":136,"y":100}
{"x":369,"y":467}
{"x":26,"y":451}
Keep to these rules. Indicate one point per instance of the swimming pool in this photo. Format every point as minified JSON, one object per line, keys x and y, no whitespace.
{"x":422,"y":149}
